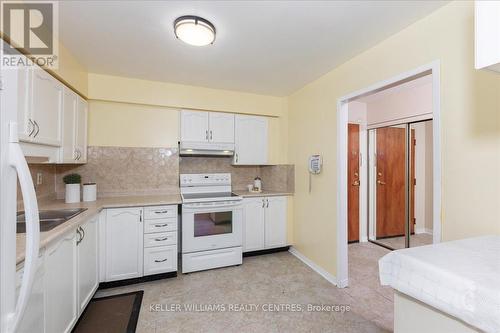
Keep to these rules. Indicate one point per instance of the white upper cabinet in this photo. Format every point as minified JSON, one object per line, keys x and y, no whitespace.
{"x":46,"y":98}
{"x":221,"y":127}
{"x":81,"y":130}
{"x":68,"y":147}
{"x":487,"y":35}
{"x":251,"y":140}
{"x":194,"y":126}
{"x":74,"y":128}
{"x":207,"y":127}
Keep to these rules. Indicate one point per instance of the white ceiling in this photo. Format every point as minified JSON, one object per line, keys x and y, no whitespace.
{"x":266,"y":47}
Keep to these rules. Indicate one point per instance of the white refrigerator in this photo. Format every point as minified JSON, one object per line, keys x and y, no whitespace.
{"x":13,"y":168}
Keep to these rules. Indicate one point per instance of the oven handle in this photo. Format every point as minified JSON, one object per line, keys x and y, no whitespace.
{"x":189,"y":206}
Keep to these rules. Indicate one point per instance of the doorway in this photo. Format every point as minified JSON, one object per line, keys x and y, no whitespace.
{"x":400,"y":173}
{"x":390,"y":132}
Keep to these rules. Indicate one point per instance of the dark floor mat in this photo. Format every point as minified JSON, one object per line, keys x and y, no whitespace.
{"x":111,"y":314}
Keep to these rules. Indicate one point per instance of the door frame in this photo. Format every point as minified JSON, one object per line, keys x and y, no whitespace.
{"x":432,"y":68}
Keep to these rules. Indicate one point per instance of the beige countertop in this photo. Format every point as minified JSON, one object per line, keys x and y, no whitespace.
{"x":93,"y":208}
{"x":247,"y":194}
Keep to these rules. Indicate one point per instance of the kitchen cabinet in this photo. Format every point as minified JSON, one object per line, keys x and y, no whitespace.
{"x":213,"y":127}
{"x":254,"y":224}
{"x":74,"y":129}
{"x":87,"y":252}
{"x":34,"y":316}
{"x":61,"y":310}
{"x":251,"y":140}
{"x":264,"y":223}
{"x":124,"y":243}
{"x":487,"y":35}
{"x":45,"y":107}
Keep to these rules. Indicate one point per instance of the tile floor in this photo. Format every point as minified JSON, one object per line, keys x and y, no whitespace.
{"x":276,"y":279}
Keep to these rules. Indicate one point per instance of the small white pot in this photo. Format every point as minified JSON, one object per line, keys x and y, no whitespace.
{"x":72,"y":193}
{"x":89,"y":192}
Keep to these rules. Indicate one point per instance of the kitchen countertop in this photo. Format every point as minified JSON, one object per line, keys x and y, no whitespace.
{"x":93,"y":208}
{"x":247,"y":194}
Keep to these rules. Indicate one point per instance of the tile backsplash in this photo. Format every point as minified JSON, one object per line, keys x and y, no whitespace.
{"x":126,"y":171}
{"x":142,"y":171}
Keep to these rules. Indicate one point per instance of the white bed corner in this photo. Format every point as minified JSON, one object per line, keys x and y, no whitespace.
{"x":458,"y":280}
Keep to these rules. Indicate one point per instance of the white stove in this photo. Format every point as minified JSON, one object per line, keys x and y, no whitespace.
{"x":211,"y":222}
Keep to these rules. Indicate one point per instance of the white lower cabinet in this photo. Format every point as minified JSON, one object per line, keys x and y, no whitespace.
{"x":264,"y":221}
{"x":88,"y":269}
{"x":160,"y":259}
{"x":140,"y":241}
{"x":124,"y":243}
{"x":33,"y":320}
{"x":61,"y":311}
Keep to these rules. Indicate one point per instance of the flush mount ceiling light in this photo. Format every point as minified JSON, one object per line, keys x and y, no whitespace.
{"x":194,"y":30}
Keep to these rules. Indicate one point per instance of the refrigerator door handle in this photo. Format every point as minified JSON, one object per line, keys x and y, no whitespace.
{"x":18,"y":162}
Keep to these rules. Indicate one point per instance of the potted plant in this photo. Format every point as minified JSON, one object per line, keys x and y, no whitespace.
{"x":72,"y":182}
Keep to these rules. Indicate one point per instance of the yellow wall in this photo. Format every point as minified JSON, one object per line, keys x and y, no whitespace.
{"x":119,"y":103}
{"x":132,"y":125}
{"x":71,"y":71}
{"x":470,"y":106}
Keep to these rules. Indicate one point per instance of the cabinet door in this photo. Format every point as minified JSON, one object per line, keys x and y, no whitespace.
{"x":194,"y":126}
{"x":87,"y":264}
{"x":221,"y":127}
{"x":46,"y":107}
{"x":68,"y":147}
{"x":24,"y":121}
{"x":81,"y":129}
{"x":61,"y":285}
{"x":34,"y":316}
{"x":253,"y":224}
{"x":250,"y":140}
{"x":275,"y":234}
{"x":124,"y":243}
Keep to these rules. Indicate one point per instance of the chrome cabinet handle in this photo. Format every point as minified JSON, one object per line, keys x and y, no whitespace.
{"x":83,"y":233}
{"x":236,"y":156}
{"x":161,"y":239}
{"x":37,"y":129}
{"x":206,"y":135}
{"x":75,"y":155}
{"x":79,"y":237}
{"x":267,"y":200}
{"x":210,"y":134}
{"x":79,"y":154}
{"x":161,"y":225}
{"x":32,"y":127}
{"x":161,"y":212}
{"x":263,"y":203}
{"x":161,"y":260}
{"x":140,"y":216}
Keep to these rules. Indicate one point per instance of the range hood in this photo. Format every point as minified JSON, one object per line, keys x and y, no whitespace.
{"x":206,"y":149}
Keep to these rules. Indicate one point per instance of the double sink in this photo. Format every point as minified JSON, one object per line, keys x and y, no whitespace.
{"x":49,"y":219}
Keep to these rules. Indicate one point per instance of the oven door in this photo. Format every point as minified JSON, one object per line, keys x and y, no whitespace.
{"x":210,"y":226}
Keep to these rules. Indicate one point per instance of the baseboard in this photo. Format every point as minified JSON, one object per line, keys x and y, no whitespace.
{"x":147,"y":278}
{"x":329,"y":277}
{"x":266,"y":251}
{"x":423,"y":231}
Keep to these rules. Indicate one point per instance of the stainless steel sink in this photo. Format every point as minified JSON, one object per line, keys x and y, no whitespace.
{"x":49,"y":219}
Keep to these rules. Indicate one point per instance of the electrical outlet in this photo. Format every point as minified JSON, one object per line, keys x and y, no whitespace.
{"x":39,"y":178}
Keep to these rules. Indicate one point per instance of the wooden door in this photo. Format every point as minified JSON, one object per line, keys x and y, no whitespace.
{"x":353,"y":183}
{"x":391,"y":147}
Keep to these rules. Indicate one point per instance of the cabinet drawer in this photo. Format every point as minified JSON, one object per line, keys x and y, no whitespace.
{"x":160,"y":239}
{"x":160,"y":259}
{"x":160,"y":212}
{"x":160,"y":225}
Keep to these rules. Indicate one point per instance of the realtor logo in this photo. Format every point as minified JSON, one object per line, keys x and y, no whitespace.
{"x":32,"y":29}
